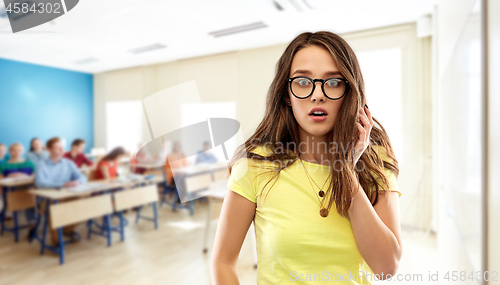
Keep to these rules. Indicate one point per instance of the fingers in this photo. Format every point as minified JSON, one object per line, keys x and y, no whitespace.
{"x":368,"y":114}
{"x":364,"y":120}
{"x":362,"y":131}
{"x":362,"y":112}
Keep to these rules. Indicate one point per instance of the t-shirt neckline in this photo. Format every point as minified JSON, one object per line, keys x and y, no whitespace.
{"x":316,"y":164}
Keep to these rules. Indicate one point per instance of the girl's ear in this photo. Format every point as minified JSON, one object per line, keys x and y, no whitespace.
{"x":286,"y":97}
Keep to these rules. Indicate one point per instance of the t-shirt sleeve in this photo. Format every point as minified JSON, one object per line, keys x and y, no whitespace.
{"x":393,"y":181}
{"x":242,"y":180}
{"x":389,"y":174}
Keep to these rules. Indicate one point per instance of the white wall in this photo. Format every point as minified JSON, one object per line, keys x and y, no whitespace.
{"x":242,"y":76}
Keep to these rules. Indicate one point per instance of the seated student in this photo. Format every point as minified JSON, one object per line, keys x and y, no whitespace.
{"x":57,"y":172}
{"x":76,"y":153}
{"x":18,"y":167}
{"x":175,"y":159}
{"x":4,"y":156}
{"x":107,"y":168}
{"x":37,"y":152}
{"x":141,"y":156}
{"x":205,"y":156}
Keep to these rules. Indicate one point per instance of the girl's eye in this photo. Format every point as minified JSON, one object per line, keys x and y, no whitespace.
{"x":303,"y":82}
{"x":332,"y":83}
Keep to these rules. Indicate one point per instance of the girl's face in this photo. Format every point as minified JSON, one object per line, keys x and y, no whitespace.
{"x":317,"y":63}
{"x":37,"y":145}
{"x":16,"y":152}
{"x":118,"y":158}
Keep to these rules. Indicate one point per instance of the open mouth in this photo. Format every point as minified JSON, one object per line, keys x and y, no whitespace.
{"x":317,"y":114}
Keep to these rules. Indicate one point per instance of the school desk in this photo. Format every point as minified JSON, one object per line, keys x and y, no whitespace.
{"x":54,"y":196}
{"x":193,"y":179}
{"x":14,"y":201}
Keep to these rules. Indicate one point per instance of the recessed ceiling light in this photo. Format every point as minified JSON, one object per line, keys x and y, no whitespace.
{"x":86,"y":60}
{"x":238,"y":29}
{"x":147,"y":48}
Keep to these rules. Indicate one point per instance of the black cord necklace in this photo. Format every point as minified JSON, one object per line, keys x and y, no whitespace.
{"x":323,"y":211}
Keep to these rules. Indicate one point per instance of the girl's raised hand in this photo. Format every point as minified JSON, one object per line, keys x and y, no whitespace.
{"x":364,"y":125}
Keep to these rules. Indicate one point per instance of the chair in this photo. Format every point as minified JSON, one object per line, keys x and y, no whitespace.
{"x":136,"y":197}
{"x":17,"y":201}
{"x":173,"y":189}
{"x":166,"y":189}
{"x":68,"y":213}
{"x":103,"y":227}
{"x":193,"y":184}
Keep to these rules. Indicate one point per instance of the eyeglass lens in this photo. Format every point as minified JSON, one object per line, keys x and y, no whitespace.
{"x":303,"y":87}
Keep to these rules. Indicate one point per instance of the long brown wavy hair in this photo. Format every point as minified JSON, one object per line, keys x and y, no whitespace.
{"x":279,"y":128}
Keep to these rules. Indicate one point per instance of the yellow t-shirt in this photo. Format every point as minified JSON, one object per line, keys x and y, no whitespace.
{"x":294,"y":243}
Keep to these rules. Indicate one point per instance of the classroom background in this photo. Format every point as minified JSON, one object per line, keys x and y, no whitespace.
{"x":429,"y":68}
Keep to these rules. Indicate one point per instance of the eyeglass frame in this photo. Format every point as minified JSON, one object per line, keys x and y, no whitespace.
{"x":290,"y":79}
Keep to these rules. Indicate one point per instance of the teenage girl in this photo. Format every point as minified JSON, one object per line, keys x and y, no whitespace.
{"x":107,"y":168}
{"x":16,"y":166}
{"x":36,"y":152}
{"x":318,"y":177}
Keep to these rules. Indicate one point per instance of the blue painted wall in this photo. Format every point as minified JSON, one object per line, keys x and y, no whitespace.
{"x":40,"y":101}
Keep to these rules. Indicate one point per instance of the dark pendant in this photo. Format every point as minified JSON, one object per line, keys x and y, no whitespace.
{"x":321,"y":193}
{"x":323,"y":212}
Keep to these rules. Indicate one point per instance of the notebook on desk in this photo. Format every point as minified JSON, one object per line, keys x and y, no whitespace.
{"x":131,"y":177}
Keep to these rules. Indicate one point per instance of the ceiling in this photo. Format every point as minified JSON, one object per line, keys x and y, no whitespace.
{"x":98,"y":35}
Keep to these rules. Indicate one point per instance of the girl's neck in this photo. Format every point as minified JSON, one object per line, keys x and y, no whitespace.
{"x":314,"y":148}
{"x":15,"y":160}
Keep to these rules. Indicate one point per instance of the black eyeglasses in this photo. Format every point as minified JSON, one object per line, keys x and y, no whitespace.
{"x":303,"y":87}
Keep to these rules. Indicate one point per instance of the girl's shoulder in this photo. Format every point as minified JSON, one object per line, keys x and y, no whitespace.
{"x":248,"y":159}
{"x":263,"y":150}
{"x":382,"y":152}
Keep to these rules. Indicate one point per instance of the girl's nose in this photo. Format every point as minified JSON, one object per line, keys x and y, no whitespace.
{"x":318,"y":93}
